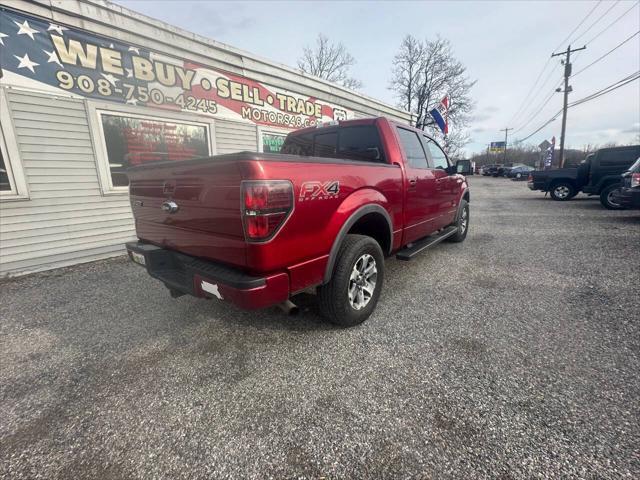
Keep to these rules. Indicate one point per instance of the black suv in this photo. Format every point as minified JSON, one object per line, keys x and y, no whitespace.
{"x":598,"y":174}
{"x":628,"y":195}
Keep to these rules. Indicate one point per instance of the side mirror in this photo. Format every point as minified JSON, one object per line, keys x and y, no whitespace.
{"x":463,"y":167}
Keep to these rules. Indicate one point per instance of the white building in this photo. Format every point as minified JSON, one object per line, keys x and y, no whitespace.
{"x":89,"y":87}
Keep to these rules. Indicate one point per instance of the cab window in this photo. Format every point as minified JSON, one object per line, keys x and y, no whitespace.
{"x":412,"y":148}
{"x":438,"y":157}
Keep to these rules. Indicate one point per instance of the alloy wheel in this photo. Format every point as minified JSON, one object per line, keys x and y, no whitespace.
{"x":562,"y":191}
{"x":362,"y":282}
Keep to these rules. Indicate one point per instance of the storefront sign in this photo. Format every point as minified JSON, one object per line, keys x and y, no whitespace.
{"x":40,"y":54}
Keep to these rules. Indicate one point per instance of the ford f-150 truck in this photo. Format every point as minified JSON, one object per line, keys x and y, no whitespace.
{"x":257,"y":228}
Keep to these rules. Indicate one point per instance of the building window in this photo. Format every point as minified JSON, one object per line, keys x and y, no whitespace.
{"x":271,"y":139}
{"x":130,"y":139}
{"x":272,"y":142}
{"x":13,"y":185}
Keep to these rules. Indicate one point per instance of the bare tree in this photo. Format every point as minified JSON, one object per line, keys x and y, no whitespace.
{"x":329,"y":61}
{"x":423,"y":73}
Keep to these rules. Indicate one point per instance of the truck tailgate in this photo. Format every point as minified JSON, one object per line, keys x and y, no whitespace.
{"x":193,"y":207}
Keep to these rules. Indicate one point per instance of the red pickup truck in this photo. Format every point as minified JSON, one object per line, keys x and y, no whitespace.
{"x":257,"y":228}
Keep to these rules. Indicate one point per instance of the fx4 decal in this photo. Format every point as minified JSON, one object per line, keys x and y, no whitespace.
{"x":319,"y":190}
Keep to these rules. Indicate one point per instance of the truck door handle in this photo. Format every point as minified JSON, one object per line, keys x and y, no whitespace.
{"x":413,"y":181}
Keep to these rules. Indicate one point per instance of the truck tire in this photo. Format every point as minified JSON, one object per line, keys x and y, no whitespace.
{"x":562,"y":191}
{"x":606,"y":197}
{"x":354,"y":289}
{"x":462,"y":222}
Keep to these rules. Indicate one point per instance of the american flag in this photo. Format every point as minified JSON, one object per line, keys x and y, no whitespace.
{"x":28,"y":55}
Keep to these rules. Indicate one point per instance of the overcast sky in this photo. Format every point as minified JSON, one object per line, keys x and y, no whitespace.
{"x":504,"y":45}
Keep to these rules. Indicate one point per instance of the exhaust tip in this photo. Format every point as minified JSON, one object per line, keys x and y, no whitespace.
{"x":289,"y":308}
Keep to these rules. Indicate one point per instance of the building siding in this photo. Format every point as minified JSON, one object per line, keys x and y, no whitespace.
{"x":66,"y":220}
{"x":235,"y":137}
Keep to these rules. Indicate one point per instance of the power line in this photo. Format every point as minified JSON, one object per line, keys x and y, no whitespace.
{"x":553,"y":118}
{"x":610,"y":88}
{"x":594,"y":23}
{"x":606,"y":54}
{"x":526,"y":113}
{"x":580,"y":24}
{"x":539,"y":108}
{"x":548,"y":98}
{"x":612,"y":23}
{"x":535,"y":83}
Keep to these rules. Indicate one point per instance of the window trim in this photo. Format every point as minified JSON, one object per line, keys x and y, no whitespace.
{"x":264,"y":129}
{"x":11,"y":155}
{"x":95,"y":110}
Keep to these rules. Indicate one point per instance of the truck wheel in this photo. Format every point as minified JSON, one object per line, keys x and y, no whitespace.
{"x":563,"y":191}
{"x":462,"y":223}
{"x":353,"y":291}
{"x":606,"y":197}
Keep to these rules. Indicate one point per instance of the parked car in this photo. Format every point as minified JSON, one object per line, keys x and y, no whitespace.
{"x":491,"y":170}
{"x":598,"y":174}
{"x":503,"y":170}
{"x":521,"y":172}
{"x":628,"y":195}
{"x":256,"y":228}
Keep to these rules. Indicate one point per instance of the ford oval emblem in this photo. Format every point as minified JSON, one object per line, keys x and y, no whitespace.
{"x":170,"y":206}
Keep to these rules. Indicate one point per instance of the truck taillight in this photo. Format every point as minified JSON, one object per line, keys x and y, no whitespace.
{"x":530,"y":178}
{"x":635,"y":179}
{"x":265,"y":206}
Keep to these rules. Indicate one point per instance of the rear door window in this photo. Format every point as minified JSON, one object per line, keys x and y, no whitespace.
{"x":618,"y":157}
{"x":325,"y":144}
{"x":298,"y":145}
{"x":361,"y":143}
{"x":412,"y":148}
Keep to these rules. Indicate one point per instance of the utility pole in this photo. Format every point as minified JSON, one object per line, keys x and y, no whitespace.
{"x":567,"y":89}
{"x":506,"y":133}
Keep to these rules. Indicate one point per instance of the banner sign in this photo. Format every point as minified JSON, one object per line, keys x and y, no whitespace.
{"x":548,"y":159}
{"x":496,"y":147}
{"x":47,"y":56}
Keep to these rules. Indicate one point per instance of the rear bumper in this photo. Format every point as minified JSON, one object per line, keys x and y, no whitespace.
{"x":190,"y":275}
{"x":627,"y":197}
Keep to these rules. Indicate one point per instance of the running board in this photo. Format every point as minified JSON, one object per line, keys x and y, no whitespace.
{"x":417,"y":247}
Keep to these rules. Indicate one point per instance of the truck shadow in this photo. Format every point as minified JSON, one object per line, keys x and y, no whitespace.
{"x":308,"y":317}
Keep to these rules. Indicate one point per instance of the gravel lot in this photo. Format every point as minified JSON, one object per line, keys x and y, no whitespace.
{"x":514,"y":355}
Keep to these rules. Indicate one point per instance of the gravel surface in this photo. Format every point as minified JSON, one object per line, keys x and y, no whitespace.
{"x":514,"y":355}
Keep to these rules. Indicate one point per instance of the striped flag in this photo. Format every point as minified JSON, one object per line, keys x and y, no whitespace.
{"x":441,"y":115}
